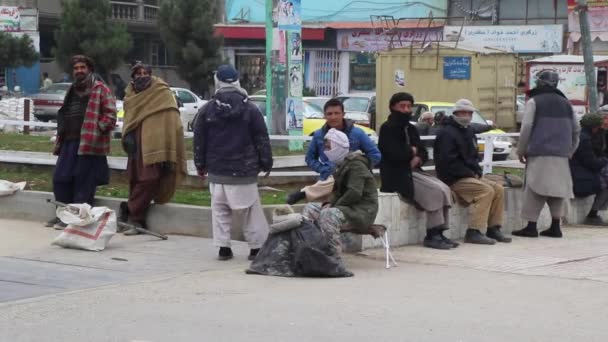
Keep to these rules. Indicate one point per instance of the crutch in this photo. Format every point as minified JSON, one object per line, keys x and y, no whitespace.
{"x":120,"y":224}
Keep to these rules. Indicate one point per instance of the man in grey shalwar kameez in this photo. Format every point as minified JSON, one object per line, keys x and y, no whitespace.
{"x":549,"y":137}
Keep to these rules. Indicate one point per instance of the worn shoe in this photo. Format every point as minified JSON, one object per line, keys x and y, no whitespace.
{"x":496,"y":234}
{"x":253,"y":253}
{"x":447,"y":240}
{"x":132,"y":231}
{"x":436,"y":242}
{"x":595,"y":221}
{"x":295,"y":197}
{"x":474,"y":236}
{"x":526,"y":232}
{"x":552,"y":232}
{"x":225,"y":253}
{"x":60,"y":226}
{"x":52,"y":222}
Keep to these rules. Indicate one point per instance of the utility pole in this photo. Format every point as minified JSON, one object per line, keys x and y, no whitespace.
{"x":587,"y":54}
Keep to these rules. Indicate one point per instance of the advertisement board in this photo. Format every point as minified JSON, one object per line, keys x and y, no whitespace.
{"x":9,"y":18}
{"x":370,"y":40}
{"x":520,"y":39}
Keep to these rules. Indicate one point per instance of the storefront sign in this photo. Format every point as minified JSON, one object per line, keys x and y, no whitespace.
{"x":371,"y":40}
{"x":572,"y":79}
{"x":598,"y":18}
{"x":9,"y":19}
{"x":456,"y":68}
{"x":520,"y":39}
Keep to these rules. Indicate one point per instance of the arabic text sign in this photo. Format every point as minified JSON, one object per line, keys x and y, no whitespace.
{"x":370,"y":40}
{"x":522,"y":39}
{"x":572,"y":80}
{"x":456,"y":68}
{"x":9,"y":18}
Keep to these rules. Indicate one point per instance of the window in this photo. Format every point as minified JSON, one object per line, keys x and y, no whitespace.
{"x":185,"y":97}
{"x":363,"y":72}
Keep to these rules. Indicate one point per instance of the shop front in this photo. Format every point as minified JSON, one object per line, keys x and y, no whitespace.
{"x":598,"y":25}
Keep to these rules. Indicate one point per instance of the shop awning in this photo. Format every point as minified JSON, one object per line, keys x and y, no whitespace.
{"x":259,"y":32}
{"x":603,"y":36}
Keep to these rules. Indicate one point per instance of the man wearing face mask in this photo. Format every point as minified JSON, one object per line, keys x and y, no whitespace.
{"x":84,"y":125}
{"x":403,"y":154}
{"x":354,"y":200}
{"x":549,"y":137}
{"x":153,"y":138}
{"x":457,"y":165}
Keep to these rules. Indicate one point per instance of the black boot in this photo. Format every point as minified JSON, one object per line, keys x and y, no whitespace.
{"x":253,"y":253}
{"x":593,"y":219}
{"x":123,"y":212}
{"x":434,"y":240}
{"x":225,"y":253}
{"x":447,"y":240}
{"x":474,"y":236}
{"x":528,"y":231}
{"x":554,"y":231}
{"x":295,"y":197}
{"x":496,"y":234}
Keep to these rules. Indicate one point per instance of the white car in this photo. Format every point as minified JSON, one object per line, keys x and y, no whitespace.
{"x":191,"y":104}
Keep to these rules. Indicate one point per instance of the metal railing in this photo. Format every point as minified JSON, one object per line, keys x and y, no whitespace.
{"x":487,"y":163}
{"x":134,"y":10}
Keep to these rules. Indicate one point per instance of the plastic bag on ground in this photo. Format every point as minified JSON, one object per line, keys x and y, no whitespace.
{"x":8,"y":188}
{"x":88,"y":228}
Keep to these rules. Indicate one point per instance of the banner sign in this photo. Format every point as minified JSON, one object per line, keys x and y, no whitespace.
{"x":9,"y":19}
{"x":598,"y":16}
{"x":520,"y":39}
{"x":370,"y":40}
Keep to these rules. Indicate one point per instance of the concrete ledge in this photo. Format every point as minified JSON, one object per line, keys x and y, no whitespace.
{"x":406,"y":224}
{"x":167,"y":219}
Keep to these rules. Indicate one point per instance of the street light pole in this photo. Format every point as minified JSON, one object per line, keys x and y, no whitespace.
{"x":588,"y":54}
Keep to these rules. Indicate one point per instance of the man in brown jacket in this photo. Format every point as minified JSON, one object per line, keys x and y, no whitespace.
{"x":153,"y":137}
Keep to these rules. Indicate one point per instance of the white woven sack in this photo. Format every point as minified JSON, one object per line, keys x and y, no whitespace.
{"x":88,"y":228}
{"x":7,"y":188}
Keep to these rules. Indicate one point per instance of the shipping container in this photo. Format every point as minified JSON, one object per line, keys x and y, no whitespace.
{"x":441,"y":73}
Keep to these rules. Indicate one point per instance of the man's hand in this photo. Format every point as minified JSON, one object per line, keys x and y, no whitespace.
{"x":523,"y":159}
{"x":416,"y":162}
{"x":414,"y":150}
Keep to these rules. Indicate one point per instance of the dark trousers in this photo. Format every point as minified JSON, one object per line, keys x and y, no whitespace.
{"x":76,"y":178}
{"x":141,"y":194}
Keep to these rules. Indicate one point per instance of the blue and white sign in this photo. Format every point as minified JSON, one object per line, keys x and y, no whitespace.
{"x":456,"y":68}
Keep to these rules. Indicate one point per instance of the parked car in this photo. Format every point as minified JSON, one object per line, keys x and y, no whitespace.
{"x":361,"y":103}
{"x":502,"y":145}
{"x":48,"y":101}
{"x":191,"y":103}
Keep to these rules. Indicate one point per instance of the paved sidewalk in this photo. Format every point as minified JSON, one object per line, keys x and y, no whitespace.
{"x":530,"y":290}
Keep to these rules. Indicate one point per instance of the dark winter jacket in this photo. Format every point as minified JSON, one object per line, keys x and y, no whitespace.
{"x":231,"y":140}
{"x":585,"y":167}
{"x":455,"y":153}
{"x":316,"y":159}
{"x":397,"y":136}
{"x":355,"y":191}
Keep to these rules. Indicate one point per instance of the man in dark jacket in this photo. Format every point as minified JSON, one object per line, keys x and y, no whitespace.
{"x":315,"y":156}
{"x":403,"y":153}
{"x":457,"y":165}
{"x":590,"y":170}
{"x":354,"y":201}
{"x":232,"y":146}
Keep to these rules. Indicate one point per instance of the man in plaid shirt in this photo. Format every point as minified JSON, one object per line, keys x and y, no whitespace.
{"x":84,"y":125}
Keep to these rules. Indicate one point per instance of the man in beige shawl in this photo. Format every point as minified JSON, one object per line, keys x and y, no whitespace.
{"x":153,"y":137}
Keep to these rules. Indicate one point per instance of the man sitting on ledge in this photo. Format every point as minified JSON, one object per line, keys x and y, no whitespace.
{"x":590,"y":171}
{"x":457,"y":165}
{"x":354,"y":202}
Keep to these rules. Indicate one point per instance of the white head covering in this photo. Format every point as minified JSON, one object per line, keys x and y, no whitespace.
{"x":340,"y":147}
{"x":219,"y":85}
{"x":464,"y":105}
